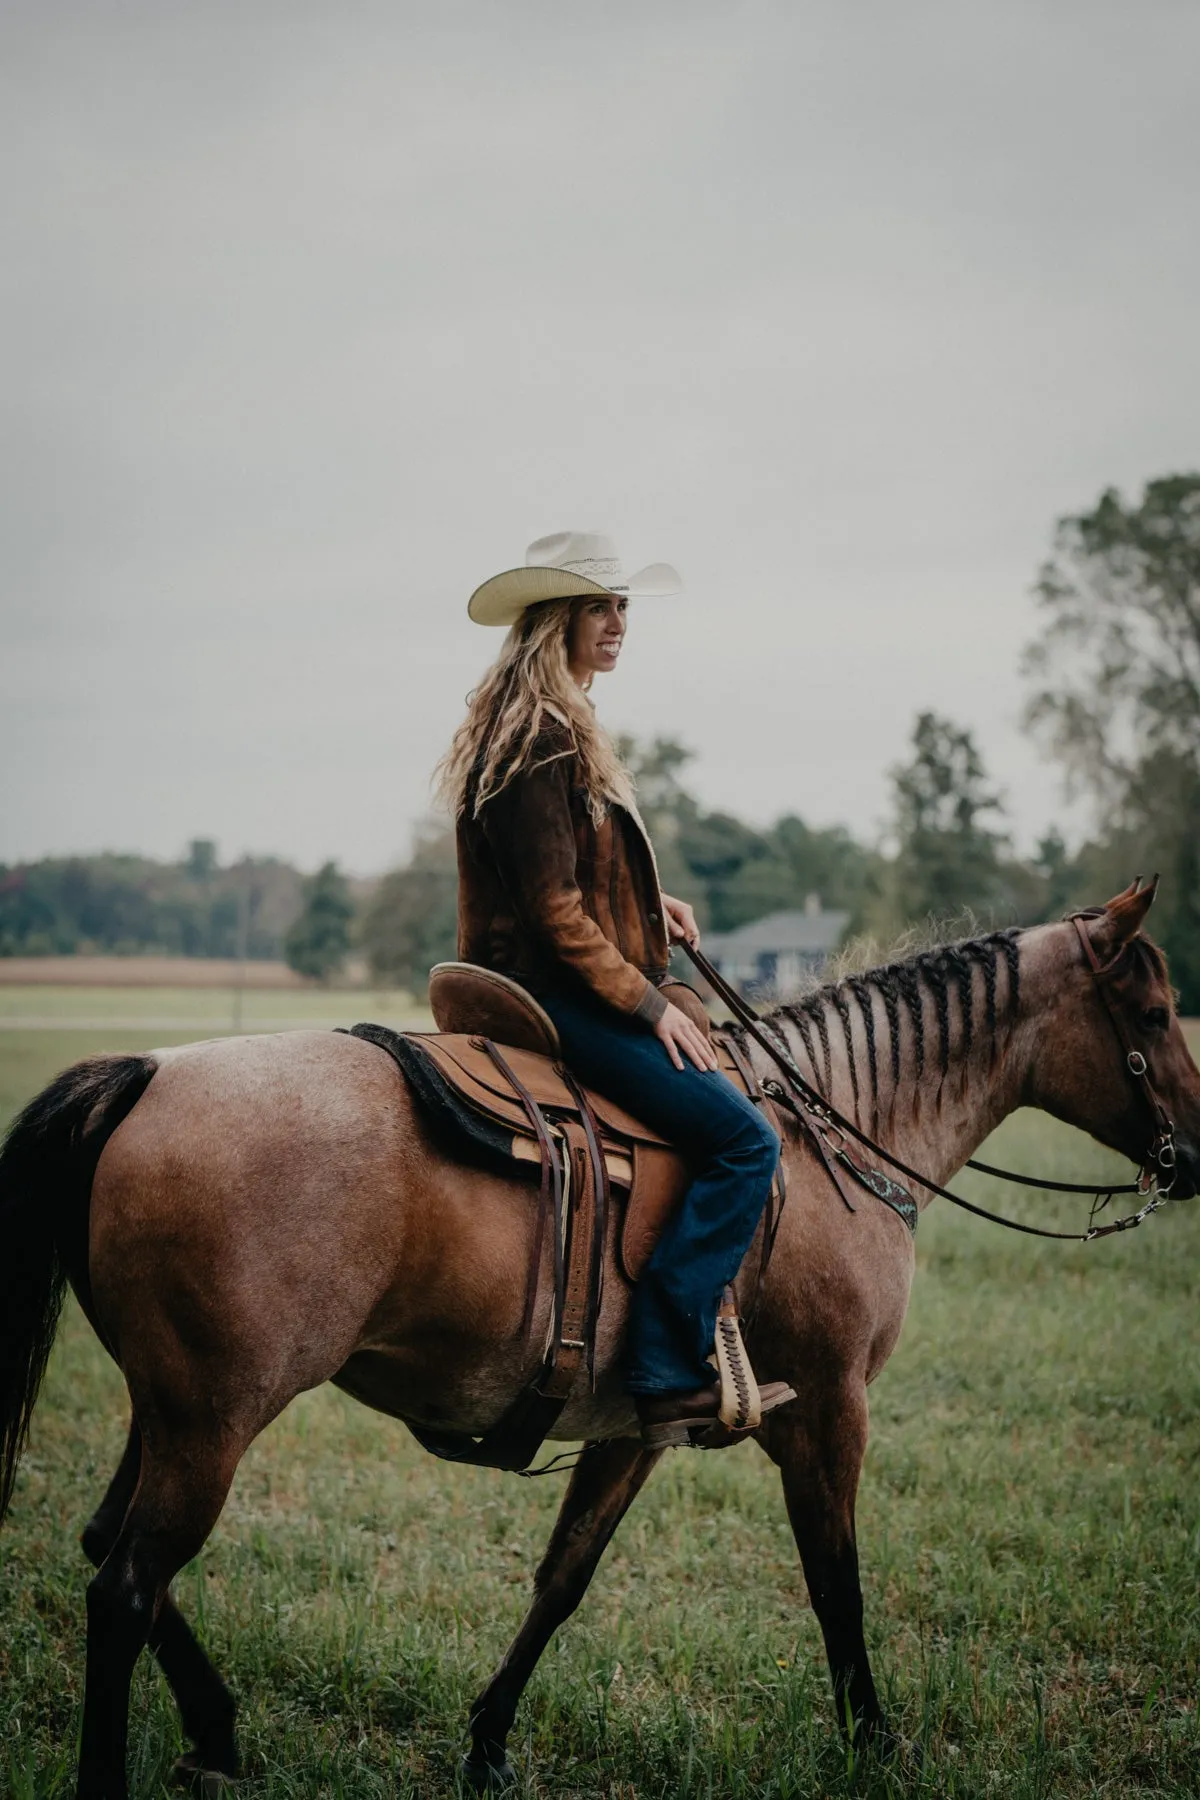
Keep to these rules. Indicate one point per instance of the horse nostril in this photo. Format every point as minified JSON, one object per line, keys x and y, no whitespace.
{"x":1186,"y":1184}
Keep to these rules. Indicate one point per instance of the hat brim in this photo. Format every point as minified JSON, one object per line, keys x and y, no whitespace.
{"x":503,"y":599}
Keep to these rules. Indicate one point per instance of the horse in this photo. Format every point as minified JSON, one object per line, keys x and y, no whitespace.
{"x":246,"y":1218}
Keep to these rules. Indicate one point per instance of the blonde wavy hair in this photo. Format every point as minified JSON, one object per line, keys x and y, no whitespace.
{"x":529,"y":683}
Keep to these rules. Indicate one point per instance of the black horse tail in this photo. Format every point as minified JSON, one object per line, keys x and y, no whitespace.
{"x":46,"y":1167}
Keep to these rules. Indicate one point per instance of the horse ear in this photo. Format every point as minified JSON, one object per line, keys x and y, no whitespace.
{"x":1124,"y":915}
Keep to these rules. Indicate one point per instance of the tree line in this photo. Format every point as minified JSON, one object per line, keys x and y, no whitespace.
{"x":1114,"y":697}
{"x":131,"y":905}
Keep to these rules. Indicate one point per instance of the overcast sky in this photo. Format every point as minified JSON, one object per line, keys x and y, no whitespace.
{"x":312,"y":316}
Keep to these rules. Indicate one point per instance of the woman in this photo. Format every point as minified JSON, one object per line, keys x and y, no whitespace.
{"x":558,"y":888}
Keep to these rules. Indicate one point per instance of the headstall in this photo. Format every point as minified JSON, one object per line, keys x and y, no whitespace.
{"x":1160,"y":1160}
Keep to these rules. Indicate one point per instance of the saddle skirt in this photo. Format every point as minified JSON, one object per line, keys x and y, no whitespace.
{"x":465,"y":1091}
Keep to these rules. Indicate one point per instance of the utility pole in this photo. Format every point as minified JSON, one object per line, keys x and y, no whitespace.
{"x":243,"y":942}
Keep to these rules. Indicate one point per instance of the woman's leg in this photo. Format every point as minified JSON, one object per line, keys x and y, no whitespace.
{"x":733,"y":1151}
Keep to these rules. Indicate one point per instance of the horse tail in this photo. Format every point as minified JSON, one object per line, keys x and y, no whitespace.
{"x":46,"y":1167}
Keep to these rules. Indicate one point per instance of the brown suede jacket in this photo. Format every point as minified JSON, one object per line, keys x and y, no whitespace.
{"x":545,"y":893}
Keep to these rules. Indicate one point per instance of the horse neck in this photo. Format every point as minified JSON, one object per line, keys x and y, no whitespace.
{"x":918,"y":1055}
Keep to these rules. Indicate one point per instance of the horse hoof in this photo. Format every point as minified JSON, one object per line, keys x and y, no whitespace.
{"x":486,"y":1777}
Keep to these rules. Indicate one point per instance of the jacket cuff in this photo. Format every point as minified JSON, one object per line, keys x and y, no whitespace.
{"x":651,"y":1007}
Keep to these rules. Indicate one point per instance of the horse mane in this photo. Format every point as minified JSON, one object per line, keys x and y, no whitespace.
{"x":902,"y":986}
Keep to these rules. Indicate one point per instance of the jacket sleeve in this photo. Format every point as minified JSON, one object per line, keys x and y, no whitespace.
{"x":528,"y":826}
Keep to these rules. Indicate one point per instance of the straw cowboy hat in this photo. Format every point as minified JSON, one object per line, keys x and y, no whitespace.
{"x":558,"y":568}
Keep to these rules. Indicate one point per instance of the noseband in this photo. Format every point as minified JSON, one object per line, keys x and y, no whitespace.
{"x":1158,"y":1165}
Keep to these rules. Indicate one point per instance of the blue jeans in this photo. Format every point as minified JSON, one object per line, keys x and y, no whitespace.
{"x":734,"y":1152}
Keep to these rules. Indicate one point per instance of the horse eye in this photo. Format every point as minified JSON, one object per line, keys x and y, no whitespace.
{"x":1156,"y":1018}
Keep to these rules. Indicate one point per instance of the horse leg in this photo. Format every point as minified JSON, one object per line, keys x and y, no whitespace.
{"x":819,"y":1456}
{"x":206,"y":1705}
{"x":178,"y":1498}
{"x":605,"y":1480}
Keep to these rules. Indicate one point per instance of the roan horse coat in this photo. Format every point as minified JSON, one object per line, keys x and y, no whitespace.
{"x":245,"y":1219}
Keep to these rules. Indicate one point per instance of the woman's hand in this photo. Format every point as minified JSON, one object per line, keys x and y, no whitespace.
{"x":681,"y":922}
{"x":677,"y":1032}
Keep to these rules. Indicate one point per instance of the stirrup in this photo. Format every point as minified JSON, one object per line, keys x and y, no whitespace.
{"x":741,"y":1402}
{"x":718,"y":1435}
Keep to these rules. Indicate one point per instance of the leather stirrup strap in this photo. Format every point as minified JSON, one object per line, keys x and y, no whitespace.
{"x":569,"y":1346}
{"x":517,"y":1436}
{"x":550,"y":1195}
{"x":600,"y":1205}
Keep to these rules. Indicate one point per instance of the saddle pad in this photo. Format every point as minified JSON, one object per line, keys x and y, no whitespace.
{"x":471,"y":1071}
{"x":488,"y":1119}
{"x":439,"y":1096}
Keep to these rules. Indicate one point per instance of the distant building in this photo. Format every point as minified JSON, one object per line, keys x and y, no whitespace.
{"x":777,"y":957}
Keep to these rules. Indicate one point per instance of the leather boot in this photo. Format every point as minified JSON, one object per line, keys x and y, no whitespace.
{"x":675,"y":1419}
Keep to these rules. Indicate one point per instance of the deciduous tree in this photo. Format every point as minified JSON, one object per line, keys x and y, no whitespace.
{"x":1115,"y":675}
{"x":318,"y":939}
{"x":411,"y":921}
{"x":1116,"y":667}
{"x":948,"y":854}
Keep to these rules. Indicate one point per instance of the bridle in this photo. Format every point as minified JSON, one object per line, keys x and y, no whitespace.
{"x":1160,"y":1158}
{"x":833,"y":1132}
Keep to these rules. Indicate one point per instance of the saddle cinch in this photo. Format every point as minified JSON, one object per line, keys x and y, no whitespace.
{"x":493,"y":1079}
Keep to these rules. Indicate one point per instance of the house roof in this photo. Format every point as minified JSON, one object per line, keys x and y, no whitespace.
{"x":817,"y":932}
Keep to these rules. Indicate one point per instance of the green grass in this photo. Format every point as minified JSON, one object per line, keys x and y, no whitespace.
{"x":56,"y":1008}
{"x":1029,"y":1530}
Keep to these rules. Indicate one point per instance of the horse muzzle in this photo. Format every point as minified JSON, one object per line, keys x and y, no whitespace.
{"x":1186,"y":1182}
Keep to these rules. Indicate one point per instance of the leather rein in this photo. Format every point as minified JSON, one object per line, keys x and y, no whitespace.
{"x":833,"y":1130}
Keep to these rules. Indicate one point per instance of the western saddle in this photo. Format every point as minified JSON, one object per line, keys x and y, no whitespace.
{"x":492,"y":1077}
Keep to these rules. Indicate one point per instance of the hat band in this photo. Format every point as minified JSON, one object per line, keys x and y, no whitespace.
{"x":604,"y":570}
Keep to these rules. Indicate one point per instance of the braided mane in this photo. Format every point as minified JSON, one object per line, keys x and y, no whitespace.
{"x":902,"y":986}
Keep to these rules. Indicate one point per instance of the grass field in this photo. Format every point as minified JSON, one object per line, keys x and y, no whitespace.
{"x":1029,"y":1529}
{"x":192,"y":1011}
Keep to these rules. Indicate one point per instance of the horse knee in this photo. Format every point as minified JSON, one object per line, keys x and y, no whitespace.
{"x":103,"y":1529}
{"x":175,"y":1507}
{"x":121,"y":1603}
